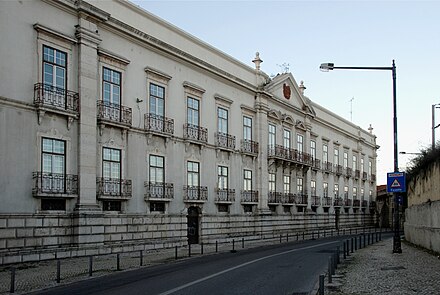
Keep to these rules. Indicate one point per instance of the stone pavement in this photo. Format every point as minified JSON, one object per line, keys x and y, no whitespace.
{"x":376,"y":270}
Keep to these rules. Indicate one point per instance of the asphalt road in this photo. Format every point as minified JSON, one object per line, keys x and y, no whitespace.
{"x":290,"y":268}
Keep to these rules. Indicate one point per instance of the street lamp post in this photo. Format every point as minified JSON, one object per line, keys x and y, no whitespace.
{"x":434,"y":106}
{"x":397,"y":247}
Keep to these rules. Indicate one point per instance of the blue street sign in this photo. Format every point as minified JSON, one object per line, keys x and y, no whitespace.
{"x":396,"y":182}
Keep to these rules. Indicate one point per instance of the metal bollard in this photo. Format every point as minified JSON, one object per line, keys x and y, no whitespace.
{"x":141,"y":258}
{"x":175,"y":253}
{"x":303,"y":235}
{"x":201,"y":248}
{"x":242,"y":243}
{"x":348,"y":246}
{"x":216,"y":246}
{"x":233,"y":245}
{"x":281,"y":238}
{"x":338,"y":249}
{"x":333,"y":263}
{"x":189,"y":250}
{"x":321,"y":284}
{"x":12,"y":287}
{"x":329,"y":270}
{"x":118,"y":266}
{"x":313,"y":235}
{"x":352,"y":243}
{"x":365,"y":241}
{"x":90,"y":266}
{"x":287,"y":237}
{"x":58,"y":271}
{"x":297,"y":236}
{"x":331,"y":233}
{"x":324,"y":233}
{"x":345,"y":250}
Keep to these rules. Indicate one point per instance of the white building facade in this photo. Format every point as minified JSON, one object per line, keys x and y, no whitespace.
{"x":118,"y":129}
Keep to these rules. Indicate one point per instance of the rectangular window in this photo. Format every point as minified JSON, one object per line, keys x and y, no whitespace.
{"x":53,"y":156}
{"x":157,"y":169}
{"x":286,"y":185}
{"x":336,"y":190}
{"x":336,"y":157}
{"x":354,"y":162}
{"x":272,"y":135}
{"x":272,"y":183}
{"x":362,"y":193}
{"x":362,"y":166}
{"x":222,"y":116}
{"x":54,"y":68}
{"x":370,"y":167}
{"x":247,"y":180}
{"x":111,"y":206}
{"x":300,"y":143}
{"x":313,"y":149}
{"x":299,"y":186}
{"x":325,"y":189}
{"x":193,"y":174}
{"x":325,"y":153}
{"x":345,"y":191}
{"x":313,"y":187}
{"x":222,"y":173}
{"x":53,"y":204}
{"x":157,"y":100}
{"x":345,"y":159}
{"x":286,"y":138}
{"x":371,"y":195}
{"x":111,"y":163}
{"x":355,"y":193}
{"x":157,"y":207}
{"x":193,"y":109}
{"x":247,"y":128}
{"x":111,"y":86}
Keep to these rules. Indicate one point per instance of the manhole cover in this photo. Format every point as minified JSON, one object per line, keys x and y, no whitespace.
{"x":392,"y":268}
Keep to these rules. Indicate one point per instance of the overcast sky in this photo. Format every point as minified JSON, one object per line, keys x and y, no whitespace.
{"x":304,"y":34}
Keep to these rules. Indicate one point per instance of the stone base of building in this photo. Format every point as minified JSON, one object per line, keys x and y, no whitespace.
{"x":34,"y":237}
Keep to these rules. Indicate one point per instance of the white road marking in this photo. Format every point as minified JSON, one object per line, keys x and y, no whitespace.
{"x":239,"y":266}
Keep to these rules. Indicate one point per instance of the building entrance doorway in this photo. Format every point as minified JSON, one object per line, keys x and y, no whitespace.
{"x":193,"y":225}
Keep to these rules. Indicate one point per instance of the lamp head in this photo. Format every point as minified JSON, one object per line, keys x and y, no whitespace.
{"x":325,"y":67}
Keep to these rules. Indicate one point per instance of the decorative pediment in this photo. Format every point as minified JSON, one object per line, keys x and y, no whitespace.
{"x":300,"y":125}
{"x":275,"y":115}
{"x":288,"y":119}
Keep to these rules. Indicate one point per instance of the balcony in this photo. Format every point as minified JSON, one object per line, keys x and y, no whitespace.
{"x":113,"y":189}
{"x":114,"y":114}
{"x":195,"y":194}
{"x":316,"y":201}
{"x":225,"y":141}
{"x":356,"y":203}
{"x":316,"y":164}
{"x":357,"y":174}
{"x":347,"y":202}
{"x":326,"y":202}
{"x":338,"y":169}
{"x":327,"y":167}
{"x":364,"y":176}
{"x":54,"y":185}
{"x":159,"y":191}
{"x":249,"y":147}
{"x":288,"y":199}
{"x":364,"y":203}
{"x":249,"y":197}
{"x":159,"y":125}
{"x":373,"y":177}
{"x":348,"y":172}
{"x":274,"y":198}
{"x":289,"y":156}
{"x":301,"y":199}
{"x":48,"y":98}
{"x":195,"y":133}
{"x":338,"y":202}
{"x":225,"y":196}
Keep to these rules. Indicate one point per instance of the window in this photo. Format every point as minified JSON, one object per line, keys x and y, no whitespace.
{"x":354,"y":192}
{"x":362,"y":193}
{"x":157,"y":100}
{"x":222,"y":173}
{"x":272,"y":135}
{"x":193,"y":175}
{"x":313,"y":187}
{"x":111,"y":163}
{"x":286,"y":184}
{"x":247,"y":180}
{"x":54,"y":67}
{"x":354,"y":162}
{"x":272,"y":183}
{"x":325,"y":189}
{"x":345,"y":159}
{"x":362,"y":166}
{"x":325,"y":153}
{"x":345,"y":191}
{"x":53,"y":204}
{"x":222,"y":115}
{"x":299,"y":186}
{"x":157,"y":169}
{"x":157,"y":207}
{"x":370,"y":167}
{"x":247,"y":128}
{"x":371,"y":195}
{"x":336,"y":190}
{"x":111,"y":86}
{"x":286,"y":138}
{"x":300,"y":143}
{"x":53,"y":161}
{"x":111,"y":206}
{"x":193,"y":108}
{"x":336,"y":157}
{"x":223,"y":208}
{"x":313,"y":149}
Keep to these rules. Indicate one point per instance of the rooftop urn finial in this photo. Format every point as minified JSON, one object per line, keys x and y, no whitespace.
{"x":302,"y":87}
{"x":370,"y":129}
{"x":257,"y":61}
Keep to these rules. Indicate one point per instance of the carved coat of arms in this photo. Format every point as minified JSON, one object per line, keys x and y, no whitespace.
{"x":286,"y":91}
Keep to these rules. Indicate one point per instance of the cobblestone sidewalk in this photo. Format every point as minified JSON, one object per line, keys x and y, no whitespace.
{"x":376,"y":270}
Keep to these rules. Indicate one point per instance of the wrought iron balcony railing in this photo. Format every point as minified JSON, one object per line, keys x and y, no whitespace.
{"x":114,"y":113}
{"x":372,"y":205}
{"x":224,"y":140}
{"x":196,"y":133}
{"x":356,"y":203}
{"x":357,"y":174}
{"x":46,"y":95}
{"x":274,"y":198}
{"x":225,"y":195}
{"x":54,"y":184}
{"x":327,"y":167}
{"x":163,"y":191}
{"x":326,"y":202}
{"x":195,"y":193}
{"x":316,"y":201}
{"x":291,"y":155}
{"x":347,"y":202}
{"x":364,"y":176}
{"x":373,"y":177}
{"x":348,"y":172}
{"x":364,"y":203}
{"x":249,"y":146}
{"x":338,"y":169}
{"x":338,"y":202}
{"x":249,"y":196}
{"x":158,"y":124}
{"x":288,"y":198}
{"x":301,"y":199}
{"x":113,"y":188}
{"x":316,"y":164}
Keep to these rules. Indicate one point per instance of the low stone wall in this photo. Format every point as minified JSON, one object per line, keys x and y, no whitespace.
{"x":422,"y":226}
{"x":34,"y":237}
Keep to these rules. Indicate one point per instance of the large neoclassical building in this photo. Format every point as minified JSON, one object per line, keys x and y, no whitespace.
{"x":119,"y":129}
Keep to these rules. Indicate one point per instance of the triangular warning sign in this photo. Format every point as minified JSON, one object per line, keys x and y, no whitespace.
{"x":395,"y":184}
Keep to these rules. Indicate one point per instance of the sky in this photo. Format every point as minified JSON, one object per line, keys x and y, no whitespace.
{"x":300,"y":35}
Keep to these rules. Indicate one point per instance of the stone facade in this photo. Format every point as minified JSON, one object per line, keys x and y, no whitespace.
{"x":121,"y":132}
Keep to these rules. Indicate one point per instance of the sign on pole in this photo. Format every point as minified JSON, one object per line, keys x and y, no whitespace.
{"x":396,"y":182}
